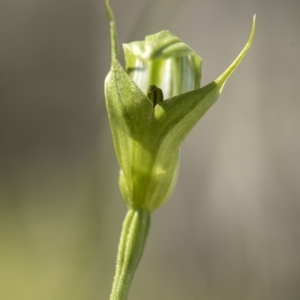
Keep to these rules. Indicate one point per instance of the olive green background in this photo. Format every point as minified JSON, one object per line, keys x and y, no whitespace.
{"x":231,"y":230}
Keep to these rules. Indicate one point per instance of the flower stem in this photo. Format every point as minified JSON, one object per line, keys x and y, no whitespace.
{"x":131,"y":246}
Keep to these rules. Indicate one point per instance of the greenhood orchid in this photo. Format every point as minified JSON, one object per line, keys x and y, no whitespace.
{"x":147,"y":135}
{"x":152,"y":106}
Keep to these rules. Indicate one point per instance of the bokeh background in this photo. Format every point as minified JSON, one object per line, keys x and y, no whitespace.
{"x":231,"y":230}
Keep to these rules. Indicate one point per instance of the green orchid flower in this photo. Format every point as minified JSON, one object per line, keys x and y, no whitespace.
{"x":152,"y":107}
{"x":147,"y":134}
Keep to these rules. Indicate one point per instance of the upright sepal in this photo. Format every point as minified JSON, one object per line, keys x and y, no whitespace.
{"x":181,"y":113}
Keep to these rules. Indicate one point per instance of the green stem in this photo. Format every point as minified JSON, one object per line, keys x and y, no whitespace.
{"x":131,"y":247}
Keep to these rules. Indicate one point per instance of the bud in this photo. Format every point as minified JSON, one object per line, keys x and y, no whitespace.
{"x":148,"y":130}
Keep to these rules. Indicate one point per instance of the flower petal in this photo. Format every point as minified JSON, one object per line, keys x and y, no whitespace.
{"x":175,"y":117}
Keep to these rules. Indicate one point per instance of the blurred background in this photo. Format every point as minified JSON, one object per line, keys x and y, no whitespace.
{"x":231,"y":230}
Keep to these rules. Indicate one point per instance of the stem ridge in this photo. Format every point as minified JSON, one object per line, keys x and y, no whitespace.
{"x":131,"y":246}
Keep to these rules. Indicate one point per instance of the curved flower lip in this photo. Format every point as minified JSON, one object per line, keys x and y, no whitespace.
{"x":147,"y":138}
